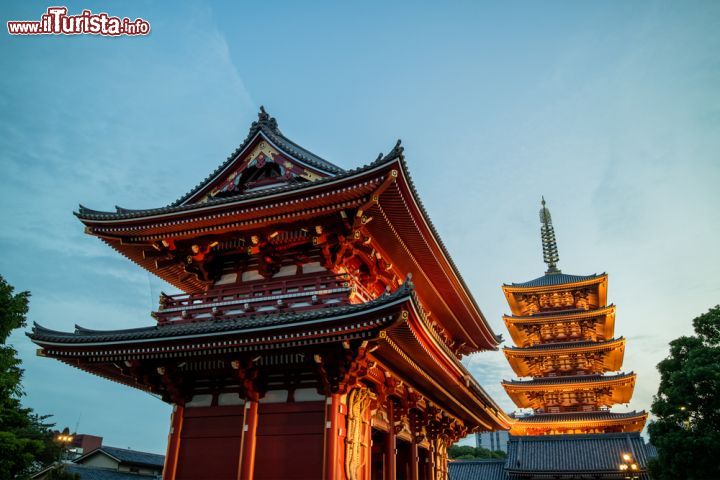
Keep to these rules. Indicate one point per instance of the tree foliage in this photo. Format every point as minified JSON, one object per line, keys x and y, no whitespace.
{"x":686,"y":431}
{"x":26,"y":441}
{"x":464,"y":452}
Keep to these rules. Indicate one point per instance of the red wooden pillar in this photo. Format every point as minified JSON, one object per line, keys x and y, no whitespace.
{"x":391,"y":452}
{"x":173,"y":448}
{"x":431,"y":460}
{"x":333,"y":470}
{"x":414,"y":461}
{"x":247,"y":446}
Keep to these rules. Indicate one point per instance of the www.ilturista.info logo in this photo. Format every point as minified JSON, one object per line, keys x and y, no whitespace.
{"x":57,"y":22}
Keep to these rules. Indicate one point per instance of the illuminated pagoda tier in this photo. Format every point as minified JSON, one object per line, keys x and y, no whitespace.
{"x":320,"y":326}
{"x":563,"y":330}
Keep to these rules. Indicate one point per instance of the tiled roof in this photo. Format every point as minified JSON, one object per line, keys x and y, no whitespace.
{"x":493,"y":469}
{"x":577,"y":417}
{"x":85,"y":213}
{"x":563,"y":345}
{"x":568,"y":379}
{"x":95,"y":473}
{"x":600,"y":453}
{"x":550,"y":279}
{"x":560,"y":313}
{"x":134,"y":457}
{"x":651,"y":450}
{"x":179,"y":330}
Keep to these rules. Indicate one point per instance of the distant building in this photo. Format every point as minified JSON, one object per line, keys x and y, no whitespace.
{"x":494,"y":441}
{"x":82,"y":444}
{"x":111,"y":463}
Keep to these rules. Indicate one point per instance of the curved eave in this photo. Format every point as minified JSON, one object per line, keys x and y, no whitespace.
{"x":177,"y":214}
{"x":102,"y":352}
{"x":470,"y":325}
{"x":565,"y":348}
{"x":183,"y":332}
{"x":559,"y":317}
{"x":570,"y":383}
{"x":510,"y":290}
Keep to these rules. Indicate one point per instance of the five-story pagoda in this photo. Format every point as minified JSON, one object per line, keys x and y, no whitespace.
{"x":299,"y":348}
{"x":563,"y":330}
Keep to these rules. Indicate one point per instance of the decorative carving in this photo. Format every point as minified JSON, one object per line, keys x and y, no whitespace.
{"x":247,"y":373}
{"x":359,"y":402}
{"x":340,"y":371}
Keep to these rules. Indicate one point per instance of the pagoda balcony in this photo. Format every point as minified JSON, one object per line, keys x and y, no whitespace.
{"x":275,"y":296}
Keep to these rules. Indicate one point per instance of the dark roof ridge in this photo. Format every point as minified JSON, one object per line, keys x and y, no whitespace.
{"x":481,"y":460}
{"x":592,"y":416}
{"x":569,"y":379}
{"x":551,"y":313}
{"x":127,"y":455}
{"x":565,"y":345}
{"x":571,"y":436}
{"x":554,"y":279}
{"x":182,"y":329}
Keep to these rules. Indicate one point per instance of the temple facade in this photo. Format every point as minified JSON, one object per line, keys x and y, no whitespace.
{"x":319,"y":327}
{"x":565,"y":345}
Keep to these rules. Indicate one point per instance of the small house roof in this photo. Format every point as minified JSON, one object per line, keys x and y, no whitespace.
{"x":127,"y":456}
{"x":490,"y":469}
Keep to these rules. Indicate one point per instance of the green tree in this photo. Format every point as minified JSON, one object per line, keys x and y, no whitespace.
{"x":26,"y":441}
{"x":686,"y":431}
{"x":465,"y":452}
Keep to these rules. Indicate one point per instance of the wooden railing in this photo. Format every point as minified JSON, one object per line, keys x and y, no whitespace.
{"x":296,"y":293}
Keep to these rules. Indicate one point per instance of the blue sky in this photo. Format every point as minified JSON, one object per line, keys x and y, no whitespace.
{"x":609,"y":109}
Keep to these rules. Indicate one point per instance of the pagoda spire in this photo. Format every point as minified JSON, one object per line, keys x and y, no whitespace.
{"x":549,"y":245}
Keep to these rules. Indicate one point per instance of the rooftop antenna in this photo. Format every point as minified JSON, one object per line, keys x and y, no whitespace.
{"x":549,"y":245}
{"x":77,"y":424}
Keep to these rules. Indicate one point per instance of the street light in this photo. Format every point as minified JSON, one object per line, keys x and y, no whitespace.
{"x":65,"y":440}
{"x":629,"y":467}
